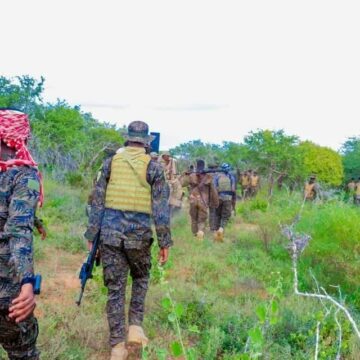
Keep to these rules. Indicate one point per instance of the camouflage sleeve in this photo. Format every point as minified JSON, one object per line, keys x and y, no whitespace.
{"x":214,"y":196}
{"x":98,"y":201}
{"x":20,"y":223}
{"x":160,"y":203}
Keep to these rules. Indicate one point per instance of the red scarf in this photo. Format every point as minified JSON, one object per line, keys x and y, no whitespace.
{"x":14,"y":132}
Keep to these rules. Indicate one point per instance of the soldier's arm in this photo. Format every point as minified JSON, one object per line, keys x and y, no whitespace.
{"x":20,"y":223}
{"x":214,"y":196}
{"x":160,"y":204}
{"x":98,"y":201}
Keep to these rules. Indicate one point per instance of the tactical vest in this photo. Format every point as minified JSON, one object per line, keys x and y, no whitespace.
{"x":309,"y":191}
{"x":223,"y":183}
{"x":128,"y":189}
{"x":254,"y":180}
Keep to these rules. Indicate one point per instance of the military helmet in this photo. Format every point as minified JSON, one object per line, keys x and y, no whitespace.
{"x":138,"y":131}
{"x":225,"y":167}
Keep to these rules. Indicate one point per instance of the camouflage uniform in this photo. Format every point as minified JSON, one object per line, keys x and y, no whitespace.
{"x":19,"y":195}
{"x":226,"y":201}
{"x":125,"y":244}
{"x":202,"y":196}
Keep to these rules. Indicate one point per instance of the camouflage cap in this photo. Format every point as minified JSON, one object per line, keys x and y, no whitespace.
{"x":138,"y":131}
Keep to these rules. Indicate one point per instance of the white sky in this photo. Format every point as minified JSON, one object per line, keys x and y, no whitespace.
{"x":193,"y":69}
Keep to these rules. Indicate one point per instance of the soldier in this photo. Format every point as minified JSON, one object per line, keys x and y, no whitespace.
{"x":350,"y":187}
{"x":176,"y":195}
{"x":312,"y":189}
{"x":154,"y":156}
{"x":202,"y":196}
{"x":357,"y":193}
{"x":20,"y":193}
{"x":169,"y":165}
{"x":254,"y":183}
{"x":212,"y":210}
{"x":225,"y":184}
{"x":130,"y":189}
{"x":245,"y":183}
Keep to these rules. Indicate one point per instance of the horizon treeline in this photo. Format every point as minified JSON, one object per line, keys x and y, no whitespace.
{"x":70,"y":144}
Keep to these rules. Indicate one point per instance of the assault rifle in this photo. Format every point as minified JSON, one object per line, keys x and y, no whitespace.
{"x":207,"y":171}
{"x":87,"y":267}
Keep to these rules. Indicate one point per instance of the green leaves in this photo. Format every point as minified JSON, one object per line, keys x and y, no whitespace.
{"x":261,"y":313}
{"x":176,"y":349}
{"x":166,"y":304}
{"x":256,"y":336}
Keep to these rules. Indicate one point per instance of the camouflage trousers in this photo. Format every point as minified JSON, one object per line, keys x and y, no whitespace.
{"x":117,"y":263}
{"x":199,"y":215}
{"x":222,"y":214}
{"x":213,"y":219}
{"x":19,"y":340}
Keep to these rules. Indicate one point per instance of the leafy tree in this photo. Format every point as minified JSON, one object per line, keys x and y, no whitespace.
{"x":351,"y":157}
{"x":274,"y":153}
{"x":196,"y":149}
{"x":65,"y":139}
{"x":322,"y":161}
{"x":22,"y":92}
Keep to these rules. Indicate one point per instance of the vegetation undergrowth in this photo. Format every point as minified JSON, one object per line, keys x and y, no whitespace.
{"x":231,"y":300}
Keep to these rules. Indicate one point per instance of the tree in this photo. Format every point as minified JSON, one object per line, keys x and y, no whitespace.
{"x":322,"y":161}
{"x":22,"y":92}
{"x":351,"y":157}
{"x":274,"y":153}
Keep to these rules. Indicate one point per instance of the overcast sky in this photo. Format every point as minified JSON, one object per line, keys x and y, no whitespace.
{"x":192,"y":69}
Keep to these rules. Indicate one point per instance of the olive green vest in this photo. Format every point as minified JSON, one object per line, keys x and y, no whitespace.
{"x":128,"y":189}
{"x":224,"y":183}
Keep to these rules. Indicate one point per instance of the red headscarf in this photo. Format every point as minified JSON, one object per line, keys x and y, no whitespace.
{"x":14,"y":131}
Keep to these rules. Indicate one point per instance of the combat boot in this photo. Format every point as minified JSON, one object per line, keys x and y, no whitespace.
{"x":215,"y":236}
{"x":119,"y":352}
{"x":220,"y":235}
{"x":136,"y":336}
{"x":200,"y":235}
{"x":136,"y":341}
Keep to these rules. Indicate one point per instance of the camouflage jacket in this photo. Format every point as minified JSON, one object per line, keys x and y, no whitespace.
{"x":19,"y":195}
{"x":131,"y":228}
{"x":203,"y":191}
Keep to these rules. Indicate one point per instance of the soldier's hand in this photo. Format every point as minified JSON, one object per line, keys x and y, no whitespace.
{"x":90,"y":245}
{"x":163,"y":255}
{"x":23,"y":306}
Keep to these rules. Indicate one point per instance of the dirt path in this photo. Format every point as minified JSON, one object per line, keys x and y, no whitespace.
{"x":60,"y":271}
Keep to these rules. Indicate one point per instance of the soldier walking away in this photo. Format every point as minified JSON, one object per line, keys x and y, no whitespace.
{"x":225,"y":184}
{"x":130,"y":189}
{"x":244,"y":180}
{"x":20,"y":193}
{"x":202,"y":196}
{"x":154,"y":156}
{"x":254,"y":183}
{"x":312,"y":189}
{"x":176,"y":195}
{"x":357,"y":193}
{"x":212,"y":210}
